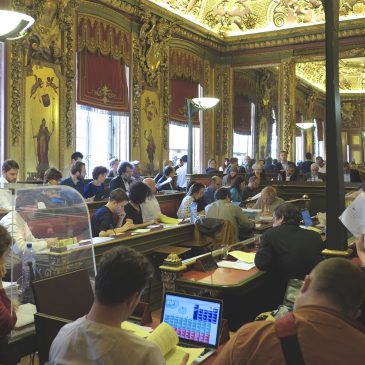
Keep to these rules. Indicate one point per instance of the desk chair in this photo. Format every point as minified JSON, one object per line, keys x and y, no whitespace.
{"x":59,"y":300}
{"x":47,"y":328}
{"x":68,"y":295}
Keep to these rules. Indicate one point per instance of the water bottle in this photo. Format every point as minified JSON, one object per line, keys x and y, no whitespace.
{"x":279,"y":177}
{"x":28,"y":273}
{"x":193,"y":212}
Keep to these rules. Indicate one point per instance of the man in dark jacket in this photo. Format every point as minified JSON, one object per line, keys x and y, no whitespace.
{"x":124,"y":177}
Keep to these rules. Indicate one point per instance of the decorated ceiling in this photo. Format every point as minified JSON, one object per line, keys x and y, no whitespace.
{"x":352,"y":75}
{"x":237,"y":17}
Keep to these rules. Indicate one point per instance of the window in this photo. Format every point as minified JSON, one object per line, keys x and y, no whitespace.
{"x":274,"y":137}
{"x":100,"y":135}
{"x":315,"y":140}
{"x":178,"y":144}
{"x":243,"y":143}
{"x":299,"y":147}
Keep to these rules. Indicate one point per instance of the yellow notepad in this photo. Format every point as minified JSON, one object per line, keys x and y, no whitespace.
{"x":248,"y":257}
{"x":165,"y":337}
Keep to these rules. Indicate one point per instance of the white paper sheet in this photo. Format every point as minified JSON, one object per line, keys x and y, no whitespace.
{"x":353,"y":217}
{"x":238,"y":265}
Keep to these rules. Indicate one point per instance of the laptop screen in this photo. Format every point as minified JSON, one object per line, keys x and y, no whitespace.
{"x":196,"y":320}
{"x":307,"y":218}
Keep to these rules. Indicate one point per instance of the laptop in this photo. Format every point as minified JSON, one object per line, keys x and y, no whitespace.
{"x":196,"y":320}
{"x":307,"y":220}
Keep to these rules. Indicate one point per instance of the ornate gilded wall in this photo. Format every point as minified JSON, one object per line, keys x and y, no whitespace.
{"x":41,"y":81}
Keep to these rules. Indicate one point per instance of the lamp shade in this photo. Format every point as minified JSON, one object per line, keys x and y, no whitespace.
{"x":205,"y":103}
{"x":305,"y":125}
{"x":13,"y":24}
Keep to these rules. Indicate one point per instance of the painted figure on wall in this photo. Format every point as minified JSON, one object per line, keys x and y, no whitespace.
{"x":151,"y":147}
{"x":43,"y":138}
{"x":263,"y":137}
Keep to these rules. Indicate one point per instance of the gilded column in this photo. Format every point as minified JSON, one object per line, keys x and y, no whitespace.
{"x":286,"y":120}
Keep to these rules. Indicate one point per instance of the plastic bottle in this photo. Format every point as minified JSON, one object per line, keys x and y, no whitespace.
{"x":28,"y":273}
{"x":280,"y":177}
{"x":193,"y":212}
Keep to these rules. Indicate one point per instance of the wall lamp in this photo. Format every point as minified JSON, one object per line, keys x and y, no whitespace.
{"x":193,"y":106}
{"x":13,"y":24}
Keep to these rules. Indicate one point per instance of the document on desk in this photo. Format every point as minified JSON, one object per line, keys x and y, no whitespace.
{"x":248,"y":257}
{"x":165,"y":337}
{"x":237,"y":265}
{"x":353,"y":216}
{"x":255,"y":197}
{"x":140,"y":230}
{"x":25,"y":315}
{"x":140,"y":331}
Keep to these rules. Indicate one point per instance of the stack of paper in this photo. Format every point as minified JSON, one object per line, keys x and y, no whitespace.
{"x":353,"y":216}
{"x":238,"y":265}
{"x":11,"y":290}
{"x":25,"y":315}
{"x":248,"y":257}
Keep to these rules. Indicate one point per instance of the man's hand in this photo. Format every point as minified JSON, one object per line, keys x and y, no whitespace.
{"x":185,"y":359}
{"x":360,"y":243}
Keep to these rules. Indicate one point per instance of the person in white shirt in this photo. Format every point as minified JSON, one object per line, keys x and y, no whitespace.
{"x":9,"y":171}
{"x":150,"y":207}
{"x":315,"y":175}
{"x":98,"y":337}
{"x":181,"y":174}
{"x":321,"y":164}
{"x":16,"y":224}
{"x":9,"y":175}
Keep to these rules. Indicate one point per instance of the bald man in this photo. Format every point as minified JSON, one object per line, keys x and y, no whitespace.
{"x":150,"y":208}
{"x":323,"y":323}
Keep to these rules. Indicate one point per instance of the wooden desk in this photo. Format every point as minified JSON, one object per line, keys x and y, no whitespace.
{"x":13,"y":348}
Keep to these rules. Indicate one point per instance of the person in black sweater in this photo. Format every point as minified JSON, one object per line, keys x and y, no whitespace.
{"x":288,"y":251}
{"x":107,"y":219}
{"x":138,"y":194}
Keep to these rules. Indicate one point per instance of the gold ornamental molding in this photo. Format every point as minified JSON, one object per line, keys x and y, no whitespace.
{"x":351,"y":75}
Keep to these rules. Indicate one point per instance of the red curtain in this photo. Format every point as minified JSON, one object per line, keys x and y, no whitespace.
{"x":319,"y":129}
{"x":102,"y":82}
{"x":242,"y":115}
{"x":180,"y":90}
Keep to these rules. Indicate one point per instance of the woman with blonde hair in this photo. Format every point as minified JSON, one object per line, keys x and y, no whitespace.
{"x":268,"y":200}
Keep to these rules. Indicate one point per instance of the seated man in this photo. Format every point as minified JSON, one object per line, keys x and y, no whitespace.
{"x":290,"y":173}
{"x":251,"y":189}
{"x":214,"y":184}
{"x":98,"y":337}
{"x":76,"y":180}
{"x":323,"y":323}
{"x":222,"y":208}
{"x":288,"y":251}
{"x":165,"y":182}
{"x":113,"y":164}
{"x":124,"y":177}
{"x":16,"y":224}
{"x":349,"y":174}
{"x":315,"y":175}
{"x":103,"y":222}
{"x":212,"y":167}
{"x":9,"y":170}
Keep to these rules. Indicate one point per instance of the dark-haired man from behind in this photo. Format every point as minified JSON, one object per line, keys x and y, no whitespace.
{"x":251,"y":189}
{"x":214,"y":184}
{"x":323,"y":322}
{"x":305,"y":167}
{"x":107,"y":219}
{"x":98,"y":337}
{"x":288,"y":251}
{"x":124,"y":177}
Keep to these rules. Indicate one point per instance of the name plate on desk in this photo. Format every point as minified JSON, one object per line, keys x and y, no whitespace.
{"x":205,"y":263}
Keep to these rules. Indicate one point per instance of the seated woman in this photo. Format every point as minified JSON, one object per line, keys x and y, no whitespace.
{"x":166,"y":181}
{"x":138,"y":193}
{"x":52,"y":197}
{"x":227,"y":179}
{"x":237,"y":188}
{"x":225,"y":165}
{"x":7,"y":315}
{"x":195,"y":193}
{"x":268,"y":201}
{"x":97,"y":185}
{"x":211,"y":169}
{"x":258,"y":171}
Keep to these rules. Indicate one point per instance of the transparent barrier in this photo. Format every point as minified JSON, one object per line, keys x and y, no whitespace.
{"x":51,"y":235}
